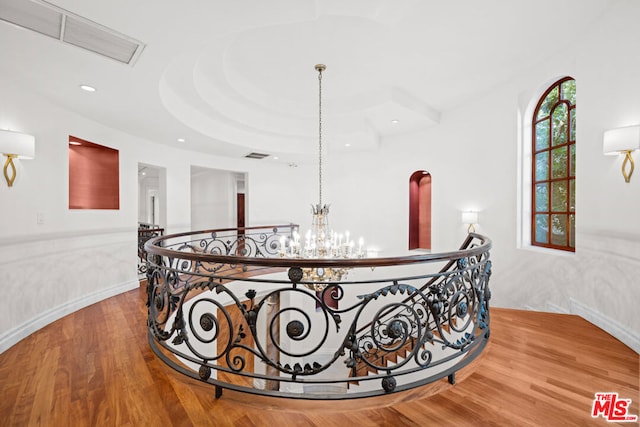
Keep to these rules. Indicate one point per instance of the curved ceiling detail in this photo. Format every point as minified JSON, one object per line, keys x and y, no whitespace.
{"x":228,"y":78}
{"x":257,"y":88}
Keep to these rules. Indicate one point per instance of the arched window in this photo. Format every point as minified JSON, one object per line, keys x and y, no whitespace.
{"x":553,"y":150}
{"x":420,"y":210}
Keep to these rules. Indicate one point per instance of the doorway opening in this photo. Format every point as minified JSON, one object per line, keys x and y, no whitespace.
{"x":152,"y":208}
{"x":218,"y":198}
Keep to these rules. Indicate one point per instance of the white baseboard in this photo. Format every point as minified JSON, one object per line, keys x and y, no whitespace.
{"x":554,"y":308}
{"x":628,"y":337}
{"x":548,"y":308}
{"x":14,"y":335}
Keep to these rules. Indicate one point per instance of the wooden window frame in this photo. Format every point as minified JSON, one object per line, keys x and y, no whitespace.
{"x":569,"y":179}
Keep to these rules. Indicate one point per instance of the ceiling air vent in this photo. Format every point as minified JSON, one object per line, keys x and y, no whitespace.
{"x":70,"y":28}
{"x":103,"y":41}
{"x":256,"y":156}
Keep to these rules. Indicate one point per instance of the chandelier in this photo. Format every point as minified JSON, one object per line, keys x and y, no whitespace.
{"x":320,"y":241}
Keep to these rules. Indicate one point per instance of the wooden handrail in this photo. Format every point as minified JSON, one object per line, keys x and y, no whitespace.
{"x":153,"y":246}
{"x":150,"y":230}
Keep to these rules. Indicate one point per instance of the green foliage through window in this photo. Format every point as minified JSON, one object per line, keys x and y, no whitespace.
{"x":554,"y":158}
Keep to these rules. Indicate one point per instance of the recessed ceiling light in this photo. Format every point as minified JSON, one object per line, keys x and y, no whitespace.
{"x":394,"y":121}
{"x":88,"y":88}
{"x":275,"y":158}
{"x":347,"y":145}
{"x":181,"y":139}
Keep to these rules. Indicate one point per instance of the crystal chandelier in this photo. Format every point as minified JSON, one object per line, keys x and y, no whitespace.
{"x":321,"y":241}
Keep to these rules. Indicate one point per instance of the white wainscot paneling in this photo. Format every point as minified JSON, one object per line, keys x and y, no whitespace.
{"x":610,"y":289}
{"x":47,"y":277}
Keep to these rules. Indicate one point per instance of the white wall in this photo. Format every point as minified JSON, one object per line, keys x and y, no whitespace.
{"x":78,"y":257}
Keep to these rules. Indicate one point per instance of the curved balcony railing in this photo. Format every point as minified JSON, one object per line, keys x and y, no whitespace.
{"x":225,"y":308}
{"x":145,"y":232}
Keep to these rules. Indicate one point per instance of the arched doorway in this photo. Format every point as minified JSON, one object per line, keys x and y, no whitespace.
{"x":420,"y":210}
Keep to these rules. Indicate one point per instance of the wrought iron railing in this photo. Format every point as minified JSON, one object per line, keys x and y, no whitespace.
{"x":226,"y":309}
{"x":146,"y":232}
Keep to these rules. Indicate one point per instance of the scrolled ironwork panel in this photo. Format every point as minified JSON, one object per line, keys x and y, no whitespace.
{"x":211,"y":316}
{"x":145,"y":233}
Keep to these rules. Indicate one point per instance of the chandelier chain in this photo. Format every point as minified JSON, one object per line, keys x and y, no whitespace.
{"x":320,"y":137}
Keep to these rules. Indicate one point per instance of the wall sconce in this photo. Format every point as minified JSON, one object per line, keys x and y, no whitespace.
{"x":622,"y":141}
{"x":470,"y":218}
{"x":15,"y":145}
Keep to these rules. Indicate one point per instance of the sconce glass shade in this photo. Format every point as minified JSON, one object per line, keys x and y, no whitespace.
{"x":470,"y":218}
{"x":620,"y":140}
{"x":15,"y":145}
{"x":18,"y":144}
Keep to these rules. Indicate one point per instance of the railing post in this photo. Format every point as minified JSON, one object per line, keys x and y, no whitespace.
{"x":273,"y":309}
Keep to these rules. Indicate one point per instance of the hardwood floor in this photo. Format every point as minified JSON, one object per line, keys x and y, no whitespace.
{"x":94,"y":368}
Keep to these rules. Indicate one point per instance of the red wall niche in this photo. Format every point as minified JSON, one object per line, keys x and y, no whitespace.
{"x":94,"y":175}
{"x":420,"y":210}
